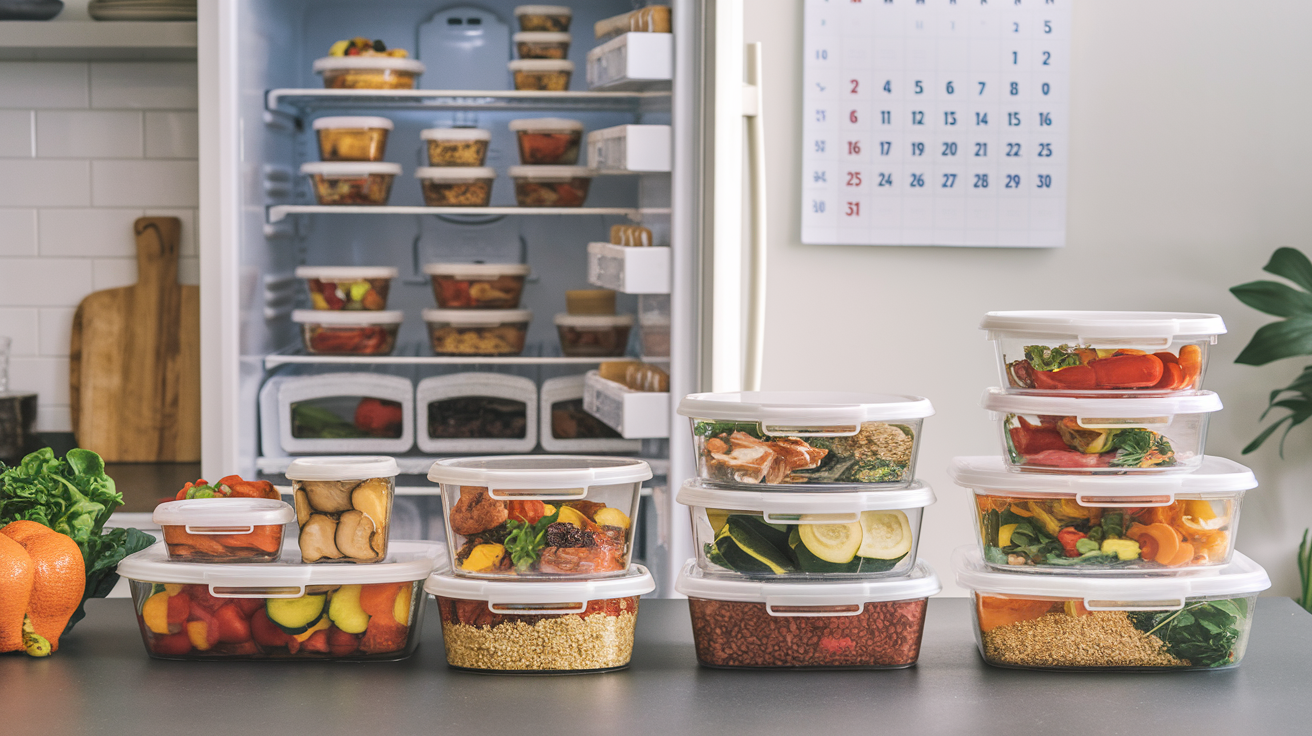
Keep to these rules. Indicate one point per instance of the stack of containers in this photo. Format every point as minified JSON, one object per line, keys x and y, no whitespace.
{"x":477,"y":308}
{"x":455,"y":175}
{"x":541,"y":578}
{"x":1105,"y":535}
{"x":548,"y":174}
{"x":806,"y":519}
{"x":542,"y":45}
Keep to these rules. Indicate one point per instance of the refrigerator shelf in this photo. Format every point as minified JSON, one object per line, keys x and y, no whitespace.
{"x":279,"y":212}
{"x":303,"y":100}
{"x":274,"y":360}
{"x":416,"y":465}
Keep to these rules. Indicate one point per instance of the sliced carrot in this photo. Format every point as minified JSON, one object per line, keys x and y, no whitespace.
{"x":995,"y":611}
{"x":1191,"y":362}
{"x":1182,"y":557}
{"x":1168,"y":541}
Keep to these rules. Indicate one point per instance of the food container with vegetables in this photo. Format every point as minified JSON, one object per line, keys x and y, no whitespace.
{"x":568,"y":428}
{"x":368,"y":72}
{"x":348,"y":287}
{"x":540,"y":516}
{"x":593,"y":335}
{"x":1100,"y":353}
{"x":223,"y":530}
{"x":477,"y":285}
{"x":466,"y":147}
{"x":281,"y":610}
{"x":551,"y":186}
{"x":739,"y":622}
{"x":1193,"y":621}
{"x":541,"y":45}
{"x":552,"y":18}
{"x":337,"y":413}
{"x":820,"y":438}
{"x":548,"y":141}
{"x":352,"y":138}
{"x":477,"y":412}
{"x":1140,"y":434}
{"x":343,"y":507}
{"x":351,"y":182}
{"x":456,"y":186}
{"x":328,"y":332}
{"x":556,"y":627}
{"x":477,"y":331}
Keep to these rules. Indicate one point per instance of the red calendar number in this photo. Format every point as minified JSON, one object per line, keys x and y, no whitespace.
{"x":854,"y":86}
{"x":851,"y":116}
{"x":853,"y":147}
{"x":854,"y":178}
{"x":853,"y":209}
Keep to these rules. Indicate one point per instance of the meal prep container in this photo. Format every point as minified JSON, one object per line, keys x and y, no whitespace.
{"x":477,"y":331}
{"x":840,"y":535}
{"x":738,"y":622}
{"x":559,"y":627}
{"x":551,"y":186}
{"x":1194,"y":621}
{"x":548,"y":141}
{"x":815,"y":437}
{"x":1101,"y":353}
{"x":352,"y":288}
{"x":568,"y":428}
{"x":328,"y":332}
{"x":580,"y":511}
{"x":1141,"y":434}
{"x":541,"y":75}
{"x":456,"y":146}
{"x":593,"y":335}
{"x":352,"y":413}
{"x":541,"y":45}
{"x":343,"y":507}
{"x":225,"y":530}
{"x":477,"y":412}
{"x":456,"y":186}
{"x":352,"y":138}
{"x":477,"y":285}
{"x":368,"y":72}
{"x":281,"y":610}
{"x":351,"y":182}
{"x":554,"y":18}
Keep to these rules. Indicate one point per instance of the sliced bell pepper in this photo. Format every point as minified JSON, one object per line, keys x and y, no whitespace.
{"x":1127,"y":371}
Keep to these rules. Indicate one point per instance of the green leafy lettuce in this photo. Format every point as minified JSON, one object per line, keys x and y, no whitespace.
{"x":1204,"y":633}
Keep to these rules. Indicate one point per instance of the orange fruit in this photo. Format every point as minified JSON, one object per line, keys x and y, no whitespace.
{"x":59,"y":577}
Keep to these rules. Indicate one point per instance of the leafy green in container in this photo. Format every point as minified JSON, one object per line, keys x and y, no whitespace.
{"x":1205,"y":633}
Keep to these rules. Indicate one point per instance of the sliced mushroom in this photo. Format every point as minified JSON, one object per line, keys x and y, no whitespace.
{"x":303,"y":509}
{"x":354,"y":531}
{"x":379,"y":542}
{"x":317,"y":539}
{"x":371,"y":498}
{"x":330,"y":496}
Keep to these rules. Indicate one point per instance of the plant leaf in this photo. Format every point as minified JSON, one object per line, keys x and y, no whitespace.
{"x":1274,"y":298}
{"x":1266,"y":433}
{"x":1291,"y":264}
{"x":1284,"y":339}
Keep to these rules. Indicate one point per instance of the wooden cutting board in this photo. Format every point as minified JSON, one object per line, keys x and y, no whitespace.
{"x":134,"y":370}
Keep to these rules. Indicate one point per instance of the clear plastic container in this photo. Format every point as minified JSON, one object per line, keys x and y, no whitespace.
{"x":799,"y":536}
{"x":1068,"y":622}
{"x":593,"y":335}
{"x":1102,"y":353}
{"x":223,"y":530}
{"x":477,"y":331}
{"x":351,"y":182}
{"x":552,"y":18}
{"x":541,"y":75}
{"x":540,"y":516}
{"x":351,"y":288}
{"x":551,"y":186}
{"x":477,"y":285}
{"x":814,"y":437}
{"x":352,"y":138}
{"x":465,"y":147}
{"x":541,"y":45}
{"x":548,"y":141}
{"x":1081,"y":524}
{"x":651,"y":19}
{"x":738,"y":622}
{"x":1061,"y":434}
{"x":343,"y":507}
{"x":477,"y":412}
{"x":368,"y":72}
{"x":328,"y":332}
{"x":456,"y":186}
{"x":560,"y":627}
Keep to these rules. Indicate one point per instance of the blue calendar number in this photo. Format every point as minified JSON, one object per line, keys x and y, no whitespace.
{"x":1045,"y":118}
{"x":1013,"y":181}
{"x":1045,"y":150}
{"x":1013,"y":149}
{"x":949,"y":181}
{"x":1045,"y":181}
{"x":917,"y":180}
{"x":949,"y":149}
{"x":981,"y":181}
{"x":917,"y":149}
{"x":818,"y":206}
{"x":885,"y":180}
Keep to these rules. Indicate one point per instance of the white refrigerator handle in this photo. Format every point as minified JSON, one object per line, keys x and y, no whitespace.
{"x":754,"y":114}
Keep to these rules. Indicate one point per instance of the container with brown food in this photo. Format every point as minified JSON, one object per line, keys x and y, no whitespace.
{"x":456,"y":186}
{"x":456,"y":146}
{"x":352,"y":138}
{"x":548,"y":141}
{"x":368,"y":72}
{"x":541,"y":75}
{"x":351,"y":288}
{"x":477,"y":331}
{"x":477,"y":285}
{"x":351,"y":182}
{"x":553,"y":18}
{"x":541,"y":45}
{"x":568,"y":428}
{"x":594,"y":335}
{"x":343,"y":507}
{"x":328,"y":332}
{"x":551,"y":186}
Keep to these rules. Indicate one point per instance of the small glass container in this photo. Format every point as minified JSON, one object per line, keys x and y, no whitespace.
{"x":223,"y":530}
{"x":456,"y":186}
{"x":328,"y":332}
{"x":489,"y":332}
{"x":477,"y":285}
{"x":550,"y":18}
{"x":593,"y":335}
{"x":462,"y":147}
{"x":548,"y":141}
{"x":541,"y":75}
{"x":368,"y":72}
{"x":351,"y":182}
{"x":352,"y":138}
{"x":343,"y":507}
{"x":350,"y":288}
{"x":551,"y":186}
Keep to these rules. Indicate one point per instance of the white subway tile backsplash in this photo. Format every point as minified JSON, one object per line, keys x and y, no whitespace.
{"x":126,"y":183}
{"x":90,"y":233}
{"x":16,"y":133}
{"x":111,"y":273}
{"x":159,"y":85}
{"x":44,"y":282}
{"x":172,"y":135}
{"x":46,"y":376}
{"x":187,"y":244}
{"x":17,"y":232}
{"x":20,"y":326}
{"x":43,"y":84}
{"x":53,"y":418}
{"x":45,"y":183}
{"x":54,"y":330}
{"x":88,"y":134}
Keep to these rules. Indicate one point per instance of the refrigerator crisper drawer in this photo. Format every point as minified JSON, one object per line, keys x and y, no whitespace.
{"x":330,"y":404}
{"x":630,"y":148}
{"x":629,"y":269}
{"x":634,"y":414}
{"x":562,"y":413}
{"x":634,"y":61}
{"x":484,"y":413}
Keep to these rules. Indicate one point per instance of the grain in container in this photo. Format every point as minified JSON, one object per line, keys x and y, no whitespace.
{"x":551,"y":186}
{"x":351,"y":182}
{"x":551,"y":18}
{"x":343,"y":506}
{"x":352,"y":288}
{"x":352,"y":138}
{"x":368,"y":72}
{"x":548,"y":141}
{"x":338,"y":332}
{"x":477,"y":285}
{"x":477,"y":331}
{"x":593,"y":335}
{"x":456,"y":186}
{"x":465,"y":147}
{"x":223,"y":530}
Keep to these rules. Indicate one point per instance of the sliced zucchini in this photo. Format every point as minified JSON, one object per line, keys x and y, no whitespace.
{"x":775,"y":534}
{"x":714,"y":557}
{"x":832,"y":542}
{"x":738,"y":560}
{"x":295,"y":615}
{"x":808,"y":562}
{"x":758,"y":540}
{"x":885,"y":535}
{"x":344,"y":610}
{"x":717,"y":518}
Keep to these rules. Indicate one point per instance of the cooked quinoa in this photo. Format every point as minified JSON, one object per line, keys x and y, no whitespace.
{"x":886,"y":441}
{"x":567,"y":642}
{"x":1099,"y":639}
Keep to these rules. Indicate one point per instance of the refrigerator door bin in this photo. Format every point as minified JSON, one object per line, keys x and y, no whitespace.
{"x":477,"y":413}
{"x":568,"y":428}
{"x":634,"y":414}
{"x":624,"y":149}
{"x":629,"y":269}
{"x":328,"y":413}
{"x":634,"y":61}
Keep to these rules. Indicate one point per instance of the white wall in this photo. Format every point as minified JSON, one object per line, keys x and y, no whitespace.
{"x":1189,"y":160}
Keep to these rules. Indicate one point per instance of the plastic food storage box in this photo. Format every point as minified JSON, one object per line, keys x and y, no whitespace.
{"x":343,"y":507}
{"x":368,"y":72}
{"x":339,"y":413}
{"x":281,"y":610}
{"x":593,"y":335}
{"x":1100,"y":353}
{"x":812,"y":437}
{"x":328,"y":332}
{"x":1194,"y":621}
{"x":548,"y":141}
{"x":570,"y":515}
{"x":561,"y":627}
{"x":553,"y":18}
{"x":477,"y":412}
{"x":227,"y":530}
{"x":1142,"y":434}
{"x":854,"y":624}
{"x":568,"y":428}
{"x":477,"y":331}
{"x":362,"y":288}
{"x":466,"y":147}
{"x":351,"y":182}
{"x":456,"y":186}
{"x":551,"y":186}
{"x":477,"y":285}
{"x":352,"y":138}
{"x":541,"y":75}
{"x":541,"y":45}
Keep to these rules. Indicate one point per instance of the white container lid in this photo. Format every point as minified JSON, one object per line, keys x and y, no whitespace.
{"x":541,"y":65}
{"x":1215,"y":476}
{"x":349,"y":168}
{"x":346,"y":273}
{"x":593,"y":321}
{"x":1241,"y":577}
{"x":542,"y":10}
{"x":1104,"y":325}
{"x":224,"y":512}
{"x":540,"y":37}
{"x":352,"y":122}
{"x":551,"y":172}
{"x":478,"y":317}
{"x":1190,"y":402}
{"x":546,"y":125}
{"x":342,"y":467}
{"x":476,"y":270}
{"x":803,"y":408}
{"x":455,"y":173}
{"x":538,"y":472}
{"x":455,"y":134}
{"x":570,"y":593}
{"x":697,"y":492}
{"x":353,"y":63}
{"x":347,"y":317}
{"x":920,"y":582}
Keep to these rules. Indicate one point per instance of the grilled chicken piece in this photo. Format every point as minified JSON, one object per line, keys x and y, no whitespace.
{"x":797,"y":454}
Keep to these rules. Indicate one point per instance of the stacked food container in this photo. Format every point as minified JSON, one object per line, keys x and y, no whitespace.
{"x":806,"y":519}
{"x":1106,"y":536}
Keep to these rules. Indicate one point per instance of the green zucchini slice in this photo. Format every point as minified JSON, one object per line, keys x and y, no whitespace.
{"x":758,"y":540}
{"x":295,"y":615}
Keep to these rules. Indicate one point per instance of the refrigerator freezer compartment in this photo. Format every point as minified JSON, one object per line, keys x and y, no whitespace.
{"x":477,"y":413}
{"x":625,"y":149}
{"x":634,"y":414}
{"x":629,"y":269}
{"x":337,"y":413}
{"x":633,"y":61}
{"x":568,"y":428}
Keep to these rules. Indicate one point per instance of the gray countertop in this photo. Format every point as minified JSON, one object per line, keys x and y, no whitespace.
{"x":102,"y":682}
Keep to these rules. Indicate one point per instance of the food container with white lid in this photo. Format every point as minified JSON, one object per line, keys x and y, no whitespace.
{"x":353,"y":138}
{"x":1194,"y":621}
{"x":456,"y":146}
{"x":368,"y":72}
{"x":223,"y":530}
{"x":477,"y":412}
{"x":477,"y":285}
{"x":856,"y":533}
{"x":541,"y":44}
{"x":548,"y":141}
{"x":329,"y":332}
{"x":557,"y":627}
{"x":1100,"y":353}
{"x":553,"y":18}
{"x":456,"y":186}
{"x":281,"y":610}
{"x":815,"y":437}
{"x":738,"y":622}
{"x":351,"y":182}
{"x":1094,"y":524}
{"x":1141,"y":434}
{"x":541,"y":75}
{"x":477,"y":331}
{"x":551,"y":186}
{"x":353,"y":288}
{"x":343,"y":506}
{"x":540,"y":516}
{"x":593,"y":335}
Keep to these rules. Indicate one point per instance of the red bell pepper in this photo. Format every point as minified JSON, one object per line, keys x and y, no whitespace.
{"x":1068,"y":537}
{"x":1029,"y":439}
{"x":378,"y":418}
{"x":1073,"y":378}
{"x":1127,"y":371}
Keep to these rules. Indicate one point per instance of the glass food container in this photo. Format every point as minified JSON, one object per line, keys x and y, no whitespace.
{"x":819,"y":438}
{"x":328,"y":332}
{"x":281,"y":610}
{"x":477,"y":331}
{"x":343,"y":507}
{"x":541,"y":45}
{"x":1184,"y":622}
{"x":557,"y":627}
{"x":541,"y":75}
{"x":477,"y":285}
{"x":856,"y":533}
{"x":593,"y":335}
{"x":352,"y":138}
{"x":551,"y":186}
{"x":456,"y":186}
{"x":368,"y":72}
{"x":351,"y":182}
{"x":540,"y":516}
{"x":1141,"y":434}
{"x":548,"y":141}
{"x":352,"y":288}
{"x":223,"y":530}
{"x":465,"y":147}
{"x":553,"y":18}
{"x":1102,"y":353}
{"x":739,"y":622}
